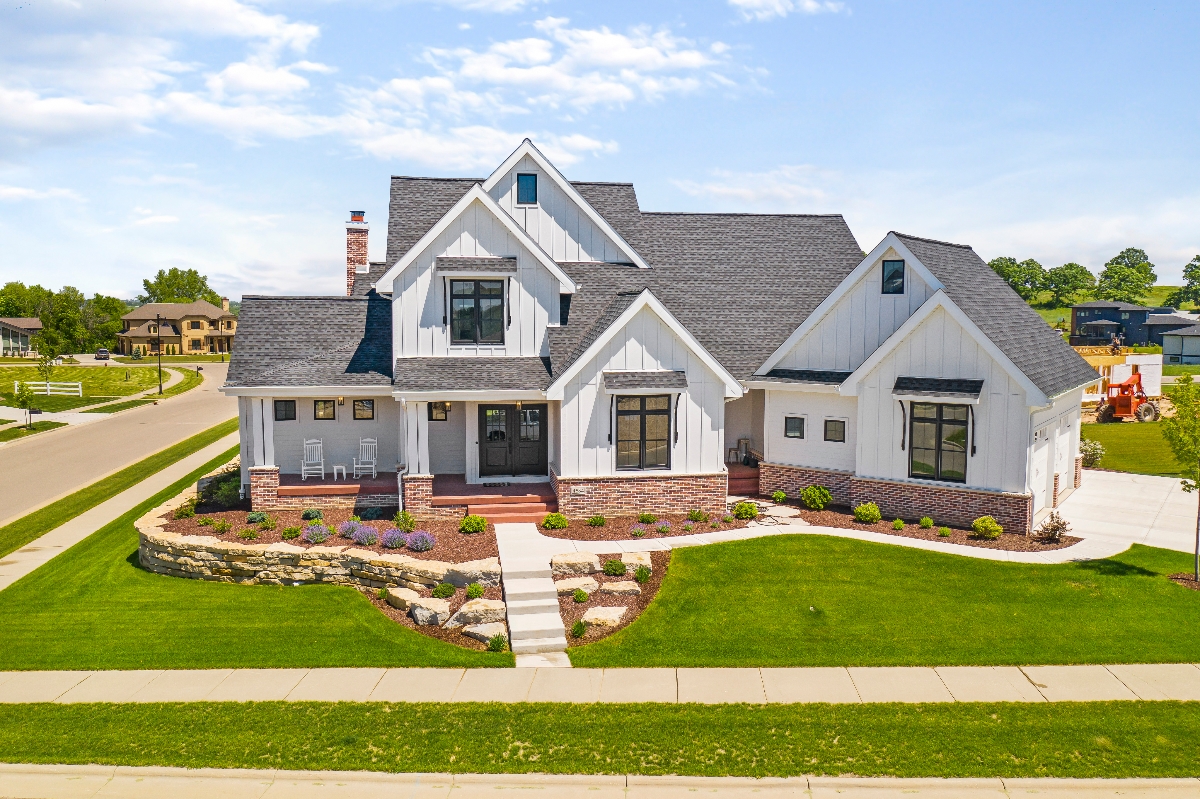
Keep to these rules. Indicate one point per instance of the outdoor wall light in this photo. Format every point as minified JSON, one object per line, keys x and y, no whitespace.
{"x":518,"y":405}
{"x":341,"y":400}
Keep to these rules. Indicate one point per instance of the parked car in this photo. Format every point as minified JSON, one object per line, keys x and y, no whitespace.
{"x":102,"y":354}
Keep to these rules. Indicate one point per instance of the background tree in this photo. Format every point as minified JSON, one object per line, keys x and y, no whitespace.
{"x":1127,"y":277}
{"x":46,"y":356}
{"x":1067,"y":282}
{"x":70,"y":321}
{"x":178,"y":285}
{"x":1190,"y":291}
{"x":1027,"y":278}
{"x":1182,"y":433}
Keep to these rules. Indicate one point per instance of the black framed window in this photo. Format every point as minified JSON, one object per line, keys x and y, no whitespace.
{"x":439,"y":411}
{"x":893,"y":277}
{"x":793,"y":427}
{"x":835,"y":430}
{"x":477,"y":311}
{"x":526,"y":189}
{"x":939,"y":442}
{"x":323,"y":409}
{"x":285,"y":410}
{"x":643,"y":432}
{"x":364,"y":409}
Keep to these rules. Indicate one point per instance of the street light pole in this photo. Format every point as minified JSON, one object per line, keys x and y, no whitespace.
{"x":158,"y":329}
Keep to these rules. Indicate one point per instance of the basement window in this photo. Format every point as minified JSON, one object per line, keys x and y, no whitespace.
{"x":526,"y":189}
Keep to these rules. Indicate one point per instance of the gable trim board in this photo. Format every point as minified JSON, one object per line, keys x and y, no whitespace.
{"x":476,"y":193}
{"x":527,"y":149}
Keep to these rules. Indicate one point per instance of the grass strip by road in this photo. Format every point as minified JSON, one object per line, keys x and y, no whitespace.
{"x":1068,"y":739}
{"x":810,"y":600}
{"x":1136,"y":447}
{"x":172,"y":359}
{"x":191,"y":379}
{"x":17,"y":534}
{"x":119,"y":406}
{"x":13,"y":433}
{"x":94,"y":607}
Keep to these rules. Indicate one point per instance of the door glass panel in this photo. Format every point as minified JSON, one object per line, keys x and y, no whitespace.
{"x":954,"y":451}
{"x":491,"y":288}
{"x":462,"y":287}
{"x":531,"y":425}
{"x":496,"y":424}
{"x":656,"y":427}
{"x":921,"y":410}
{"x":629,"y":428}
{"x":924,"y":449}
{"x":491,"y":320}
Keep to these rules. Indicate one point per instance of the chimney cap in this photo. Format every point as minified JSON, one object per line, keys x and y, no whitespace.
{"x":357,"y":216}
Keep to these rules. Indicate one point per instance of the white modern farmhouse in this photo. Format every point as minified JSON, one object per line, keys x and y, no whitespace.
{"x":533,"y":343}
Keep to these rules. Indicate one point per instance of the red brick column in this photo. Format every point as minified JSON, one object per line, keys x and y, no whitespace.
{"x":1054,"y":504}
{"x":264,"y":487}
{"x":946,"y":505}
{"x":1078,"y":471}
{"x":791,"y":480}
{"x":356,"y":248}
{"x":580,"y":497}
{"x":418,"y":492}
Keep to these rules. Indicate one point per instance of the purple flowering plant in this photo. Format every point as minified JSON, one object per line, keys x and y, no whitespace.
{"x":663,"y":527}
{"x":365,"y":535}
{"x":316,"y":533}
{"x":637,"y":530}
{"x":393,"y":538}
{"x":347,"y":529}
{"x":420,"y":541}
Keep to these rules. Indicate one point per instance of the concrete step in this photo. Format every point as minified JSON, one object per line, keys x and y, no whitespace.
{"x":512,"y":508}
{"x":530,"y":646}
{"x":536,"y":625}
{"x":509,"y":518}
{"x":531,"y":604}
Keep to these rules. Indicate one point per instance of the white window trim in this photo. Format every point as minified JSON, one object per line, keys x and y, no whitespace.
{"x":845,"y":420}
{"x":516,"y":189}
{"x":806,"y":430}
{"x":903,"y":277}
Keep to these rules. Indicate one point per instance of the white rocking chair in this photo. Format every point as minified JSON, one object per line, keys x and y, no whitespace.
{"x":313,"y":463}
{"x":368,"y":454}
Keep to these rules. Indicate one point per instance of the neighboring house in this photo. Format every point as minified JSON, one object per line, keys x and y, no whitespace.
{"x":15,"y":335}
{"x":1182,"y":345}
{"x":1095,"y":323}
{"x":182,"y":328}
{"x":527,"y":329}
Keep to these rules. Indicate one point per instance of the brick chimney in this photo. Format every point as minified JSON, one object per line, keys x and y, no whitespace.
{"x":225,"y":304}
{"x":356,"y":249}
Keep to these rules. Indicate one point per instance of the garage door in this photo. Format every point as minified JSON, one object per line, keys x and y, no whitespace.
{"x":1040,"y":467}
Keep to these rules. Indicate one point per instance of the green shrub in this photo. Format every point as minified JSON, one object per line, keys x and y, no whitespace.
{"x":926,"y":523}
{"x":687,"y":528}
{"x":642,"y":575}
{"x":1092,"y":452}
{"x":662,"y":528}
{"x":356,"y":518}
{"x":404,"y":521}
{"x":898,"y":524}
{"x":578,"y":629}
{"x":714,"y":524}
{"x":226,"y":489}
{"x":497,"y":643}
{"x":987,"y":527}
{"x":267,"y":523}
{"x":205,"y":521}
{"x":256,"y":516}
{"x":727,"y":519}
{"x":697,"y":515}
{"x":187,"y":510}
{"x":816,"y":497}
{"x":443,"y":591}
{"x":779,"y":497}
{"x":944,"y":532}
{"x":554,"y":521}
{"x":637,"y":531}
{"x":472,"y":524}
{"x":647,"y":518}
{"x":867,"y":513}
{"x":745,"y":510}
{"x":381,"y":594}
{"x":1053,"y":528}
{"x":597,"y":521}
{"x":290,"y":532}
{"x":580,"y":595}
{"x":221,"y":526}
{"x":475,"y":591}
{"x":615,"y":568}
{"x":248,"y":534}
{"x":312,"y":514}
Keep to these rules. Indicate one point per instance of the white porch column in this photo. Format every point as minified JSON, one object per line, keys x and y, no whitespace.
{"x":268,"y":430}
{"x":423,"y":436}
{"x":256,"y":432}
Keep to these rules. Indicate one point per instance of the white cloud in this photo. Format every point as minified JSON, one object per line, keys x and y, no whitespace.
{"x":769,"y":9}
{"x":156,"y":220}
{"x":14,"y":193}
{"x":495,"y":6}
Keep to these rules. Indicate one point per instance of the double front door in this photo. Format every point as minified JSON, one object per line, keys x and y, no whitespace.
{"x":512,"y":440}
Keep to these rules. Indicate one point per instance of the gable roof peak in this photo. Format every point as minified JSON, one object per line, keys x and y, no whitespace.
{"x":908,"y":237}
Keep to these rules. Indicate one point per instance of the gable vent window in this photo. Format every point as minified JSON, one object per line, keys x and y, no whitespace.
{"x":526,"y":189}
{"x":893,"y":277}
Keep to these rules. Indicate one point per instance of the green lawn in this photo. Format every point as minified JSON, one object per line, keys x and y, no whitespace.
{"x":12,"y":433}
{"x":174,"y":359}
{"x":191,"y":379}
{"x":1134,"y":447}
{"x":1181,"y":369}
{"x":99,"y":384}
{"x":822,"y":601}
{"x":1066,"y":739}
{"x":93,"y":607}
{"x":119,"y":406}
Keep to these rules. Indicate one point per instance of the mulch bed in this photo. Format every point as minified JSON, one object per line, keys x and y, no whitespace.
{"x":1186,"y":580}
{"x":618,"y":528}
{"x":455,"y":637}
{"x":843,"y":518}
{"x":572,"y":611}
{"x":450,"y":545}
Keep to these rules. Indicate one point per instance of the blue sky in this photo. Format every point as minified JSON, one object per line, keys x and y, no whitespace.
{"x":234,"y":137}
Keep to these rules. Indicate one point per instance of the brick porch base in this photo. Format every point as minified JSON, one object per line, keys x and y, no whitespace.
{"x":791,"y":480}
{"x":946,"y":505}
{"x":580,"y":497}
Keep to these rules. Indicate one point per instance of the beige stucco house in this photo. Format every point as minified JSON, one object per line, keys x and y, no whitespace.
{"x":183,"y":328}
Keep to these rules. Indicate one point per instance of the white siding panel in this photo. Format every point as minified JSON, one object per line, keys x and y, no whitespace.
{"x":812,"y":450}
{"x":447,"y":447}
{"x":340,"y":435}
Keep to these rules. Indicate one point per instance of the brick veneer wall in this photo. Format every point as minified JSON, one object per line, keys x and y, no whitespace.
{"x":579,"y":497}
{"x":1078,"y":471}
{"x":336,"y":501}
{"x":956,"y":506}
{"x":264,"y":487}
{"x":418,"y":492}
{"x":793,"y":479}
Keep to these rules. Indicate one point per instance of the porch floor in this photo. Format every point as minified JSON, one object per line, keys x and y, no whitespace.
{"x":290,"y":485}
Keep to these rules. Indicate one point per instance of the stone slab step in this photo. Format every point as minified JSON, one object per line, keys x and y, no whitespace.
{"x":535,"y":625}
{"x":512,"y":508}
{"x":539,"y":604}
{"x":510,"y":518}
{"x":531,"y":646}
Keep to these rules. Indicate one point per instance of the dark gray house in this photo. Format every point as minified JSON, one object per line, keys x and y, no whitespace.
{"x":1095,"y":323}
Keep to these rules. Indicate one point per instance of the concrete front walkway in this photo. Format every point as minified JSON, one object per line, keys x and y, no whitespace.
{"x":855,"y":685}
{"x":1126,"y":508}
{"x":21,"y":781}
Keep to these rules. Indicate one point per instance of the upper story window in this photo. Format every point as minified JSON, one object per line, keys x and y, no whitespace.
{"x":939,"y":442}
{"x":1125,"y":316}
{"x":526,"y":189}
{"x":212,"y":325}
{"x":893,"y":277}
{"x":477,"y":311}
{"x":194,"y":325}
{"x":643,"y":432}
{"x":1083,"y":313}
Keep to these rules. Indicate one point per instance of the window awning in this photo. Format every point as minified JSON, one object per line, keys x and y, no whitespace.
{"x":931,"y":389}
{"x":506,"y":266}
{"x":658,"y":380}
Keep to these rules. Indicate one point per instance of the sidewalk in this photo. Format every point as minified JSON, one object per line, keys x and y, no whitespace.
{"x":855,"y":685}
{"x":80,"y":782}
{"x":39,"y":552}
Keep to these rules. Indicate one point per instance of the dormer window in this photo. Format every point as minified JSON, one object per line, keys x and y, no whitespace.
{"x":893,"y":277}
{"x":477,"y":311}
{"x":526,"y":189}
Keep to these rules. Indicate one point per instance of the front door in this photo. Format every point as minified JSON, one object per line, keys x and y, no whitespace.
{"x":512,"y":441}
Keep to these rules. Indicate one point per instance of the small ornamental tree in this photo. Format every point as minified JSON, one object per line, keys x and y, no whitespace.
{"x":24,"y":399}
{"x":1182,"y":433}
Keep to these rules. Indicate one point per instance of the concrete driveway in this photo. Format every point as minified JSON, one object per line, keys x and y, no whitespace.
{"x":1135,"y":508}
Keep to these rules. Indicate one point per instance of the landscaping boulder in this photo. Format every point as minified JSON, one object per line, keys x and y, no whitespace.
{"x":431,"y":570}
{"x":401,"y":598}
{"x":485,"y":572}
{"x":427,"y":610}
{"x":621,"y":587}
{"x":477,"y":611}
{"x":635,"y":559}
{"x":486,"y":632}
{"x":603,"y":617}
{"x":571,"y":584}
{"x":575,"y":563}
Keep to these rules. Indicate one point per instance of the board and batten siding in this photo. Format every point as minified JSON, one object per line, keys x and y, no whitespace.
{"x":644,"y":343}
{"x":419,"y":299}
{"x":940,"y":347}
{"x":558,"y":225}
{"x":812,"y":450}
{"x":859,"y":322}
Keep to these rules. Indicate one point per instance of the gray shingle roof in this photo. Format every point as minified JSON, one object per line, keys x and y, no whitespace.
{"x":416,"y":205}
{"x":1168,"y":319}
{"x":646,"y":379}
{"x":1031,"y":344}
{"x":471,"y":374}
{"x":25,"y":324}
{"x":937,"y":386}
{"x":827,"y":377}
{"x":177,"y":310}
{"x":365,"y":282}
{"x":1121,"y":306}
{"x":1194,"y":330}
{"x":313,"y":341}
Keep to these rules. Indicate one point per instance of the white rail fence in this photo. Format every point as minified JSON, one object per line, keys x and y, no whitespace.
{"x":51,"y":389}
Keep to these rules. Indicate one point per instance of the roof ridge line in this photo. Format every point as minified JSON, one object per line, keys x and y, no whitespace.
{"x":932,"y":241}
